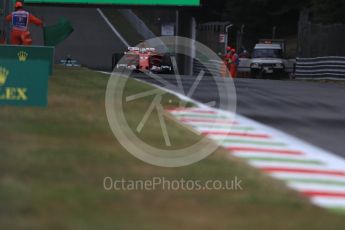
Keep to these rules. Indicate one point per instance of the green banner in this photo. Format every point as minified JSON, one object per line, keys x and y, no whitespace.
{"x":24,"y":74}
{"x":124,"y":2}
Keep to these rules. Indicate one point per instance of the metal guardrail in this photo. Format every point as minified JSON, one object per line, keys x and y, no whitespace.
{"x":213,"y":67}
{"x":320,"y":67}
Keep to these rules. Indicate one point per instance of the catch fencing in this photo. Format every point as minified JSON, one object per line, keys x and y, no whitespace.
{"x":320,"y":67}
{"x":212,"y":34}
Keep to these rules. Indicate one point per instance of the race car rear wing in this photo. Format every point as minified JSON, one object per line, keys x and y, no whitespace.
{"x":141,"y":49}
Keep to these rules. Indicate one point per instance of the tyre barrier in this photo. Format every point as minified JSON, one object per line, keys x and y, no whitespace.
{"x":320,"y":67}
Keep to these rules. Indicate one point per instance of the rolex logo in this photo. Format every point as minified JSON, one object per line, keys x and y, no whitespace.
{"x":3,"y":75}
{"x":23,"y":56}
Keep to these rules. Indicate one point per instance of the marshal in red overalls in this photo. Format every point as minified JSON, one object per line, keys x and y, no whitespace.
{"x":20,"y":20}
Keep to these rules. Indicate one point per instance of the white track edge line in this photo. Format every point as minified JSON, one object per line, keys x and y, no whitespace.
{"x":336,"y":162}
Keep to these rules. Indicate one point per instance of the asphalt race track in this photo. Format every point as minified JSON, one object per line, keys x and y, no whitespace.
{"x":314,"y":112}
{"x":92,"y":43}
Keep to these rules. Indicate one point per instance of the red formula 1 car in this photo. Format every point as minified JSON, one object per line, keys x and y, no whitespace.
{"x":142,"y":60}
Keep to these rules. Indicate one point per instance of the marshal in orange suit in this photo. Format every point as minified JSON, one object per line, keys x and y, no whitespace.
{"x":20,"y":20}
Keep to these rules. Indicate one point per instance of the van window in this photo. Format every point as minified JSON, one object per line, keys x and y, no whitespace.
{"x":268,"y":53}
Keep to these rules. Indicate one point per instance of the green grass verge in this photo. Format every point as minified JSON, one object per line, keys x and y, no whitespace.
{"x":53,"y":162}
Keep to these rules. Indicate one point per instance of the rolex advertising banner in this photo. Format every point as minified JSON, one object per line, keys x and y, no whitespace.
{"x":24,"y":74}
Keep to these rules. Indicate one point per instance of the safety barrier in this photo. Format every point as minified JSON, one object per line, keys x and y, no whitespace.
{"x":320,"y":67}
{"x":213,"y":67}
{"x":24,"y":74}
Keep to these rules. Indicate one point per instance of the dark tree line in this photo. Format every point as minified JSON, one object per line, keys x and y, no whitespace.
{"x":248,"y":11}
{"x":262,"y":15}
{"x":329,"y":11}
